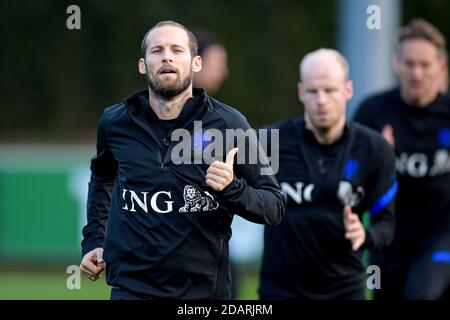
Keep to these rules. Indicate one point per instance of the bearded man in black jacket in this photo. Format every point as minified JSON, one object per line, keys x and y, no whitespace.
{"x":159,"y":215}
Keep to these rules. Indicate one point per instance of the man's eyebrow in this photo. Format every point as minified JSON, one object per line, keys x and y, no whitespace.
{"x":174,"y":45}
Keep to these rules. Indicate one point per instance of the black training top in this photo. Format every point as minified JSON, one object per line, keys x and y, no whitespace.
{"x":164,"y":231}
{"x":422,"y":147}
{"x":307,"y":255}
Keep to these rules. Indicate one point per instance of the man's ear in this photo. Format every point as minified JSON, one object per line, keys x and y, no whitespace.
{"x":300,"y":91}
{"x":141,"y":66}
{"x":349,"y":89}
{"x":443,"y":64}
{"x":197,"y":64}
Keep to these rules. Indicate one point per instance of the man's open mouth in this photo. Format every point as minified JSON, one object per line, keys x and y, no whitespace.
{"x":168,"y":71}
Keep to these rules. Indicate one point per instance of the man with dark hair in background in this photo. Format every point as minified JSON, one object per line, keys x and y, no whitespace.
{"x":214,"y":61}
{"x":332,"y":171}
{"x":415,"y":119}
{"x":164,"y":224}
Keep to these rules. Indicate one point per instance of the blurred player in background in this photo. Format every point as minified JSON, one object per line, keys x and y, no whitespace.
{"x":332,"y":171}
{"x":415,"y":119}
{"x":214,"y":61}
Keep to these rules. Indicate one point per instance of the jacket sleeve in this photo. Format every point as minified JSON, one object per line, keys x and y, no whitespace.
{"x":103,"y":173}
{"x":380,"y":233}
{"x":254,"y":193}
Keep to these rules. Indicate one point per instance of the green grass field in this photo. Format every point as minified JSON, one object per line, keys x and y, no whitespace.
{"x":39,"y":285}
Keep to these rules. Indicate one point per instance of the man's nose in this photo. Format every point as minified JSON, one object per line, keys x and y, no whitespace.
{"x":321,"y":97}
{"x":167,"y":56}
{"x":417,"y":72}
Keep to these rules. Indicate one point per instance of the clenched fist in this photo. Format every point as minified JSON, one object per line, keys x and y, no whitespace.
{"x":93,"y":264}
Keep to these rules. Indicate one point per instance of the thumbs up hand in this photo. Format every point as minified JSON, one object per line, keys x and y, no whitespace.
{"x":354,"y":230}
{"x":220,"y":174}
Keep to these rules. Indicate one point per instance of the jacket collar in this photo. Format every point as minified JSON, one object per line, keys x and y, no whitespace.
{"x":137,"y":100}
{"x":138,"y":107}
{"x":309,"y":135}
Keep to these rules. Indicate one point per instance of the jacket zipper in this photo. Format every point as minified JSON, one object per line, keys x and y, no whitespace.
{"x":216,"y":284}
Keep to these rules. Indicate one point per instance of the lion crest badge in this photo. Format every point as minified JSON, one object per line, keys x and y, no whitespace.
{"x":195,"y":202}
{"x":348,"y":196}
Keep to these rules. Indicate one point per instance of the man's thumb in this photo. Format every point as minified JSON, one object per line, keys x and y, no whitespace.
{"x":99,"y":253}
{"x":388,"y":134}
{"x":230,"y":156}
{"x":347,"y":213}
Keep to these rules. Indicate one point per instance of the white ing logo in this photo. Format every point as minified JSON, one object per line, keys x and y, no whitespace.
{"x":374,"y":19}
{"x":74,"y":20}
{"x":301,"y":193}
{"x":416,"y":165}
{"x":193,"y":201}
{"x":134,"y":198}
{"x":74,"y":280}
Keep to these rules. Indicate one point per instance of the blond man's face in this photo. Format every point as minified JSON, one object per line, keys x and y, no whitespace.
{"x":325,"y":91}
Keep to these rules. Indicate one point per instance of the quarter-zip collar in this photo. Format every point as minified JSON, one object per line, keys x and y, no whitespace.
{"x":311,"y":148}
{"x":142,"y":114}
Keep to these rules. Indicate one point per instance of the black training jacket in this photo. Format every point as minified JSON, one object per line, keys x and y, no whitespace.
{"x":422,"y":147}
{"x":165,"y":233}
{"x":307,"y":255}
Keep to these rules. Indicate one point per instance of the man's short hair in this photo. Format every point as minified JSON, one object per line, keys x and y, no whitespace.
{"x":419,"y":28}
{"x":193,"y":47}
{"x":205,"y":39}
{"x":339,"y":58}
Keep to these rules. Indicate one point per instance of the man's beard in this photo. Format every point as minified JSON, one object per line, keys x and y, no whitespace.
{"x":170,"y":90}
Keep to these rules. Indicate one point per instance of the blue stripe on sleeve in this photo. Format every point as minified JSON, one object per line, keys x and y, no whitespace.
{"x":384,"y":201}
{"x":441,"y":256}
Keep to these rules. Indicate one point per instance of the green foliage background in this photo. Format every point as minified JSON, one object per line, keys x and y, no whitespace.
{"x":56,"y":82}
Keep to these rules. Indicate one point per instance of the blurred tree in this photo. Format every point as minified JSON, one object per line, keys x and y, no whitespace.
{"x":55,"y":82}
